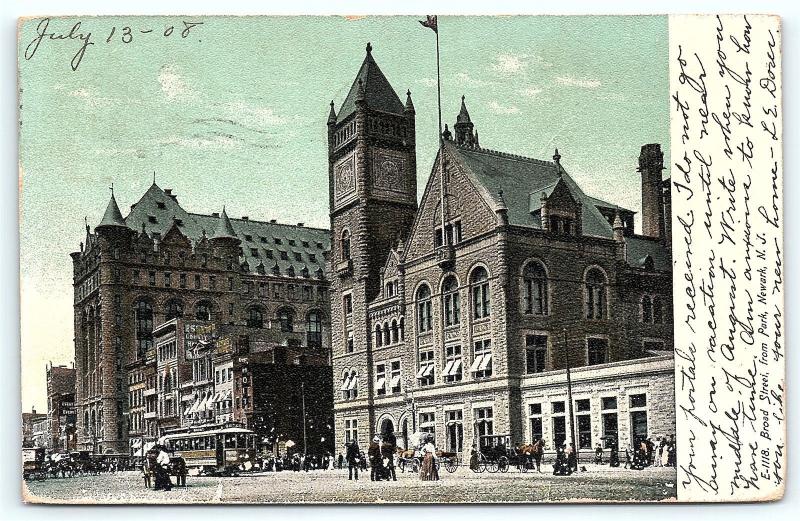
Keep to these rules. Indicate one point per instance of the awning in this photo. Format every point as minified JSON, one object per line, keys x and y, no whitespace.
{"x":421,"y":371}
{"x":487,"y":358}
{"x":456,"y":368}
{"x":395,"y":381}
{"x":428,"y":369}
{"x":193,"y":408}
{"x":427,"y":424}
{"x":210,"y":403}
{"x":381,"y":383}
{"x":136,"y":443}
{"x":448,"y":368}
{"x":346,"y":384}
{"x":476,"y":363}
{"x":352,"y":383}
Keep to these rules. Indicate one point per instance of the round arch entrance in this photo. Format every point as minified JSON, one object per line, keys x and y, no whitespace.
{"x":386,"y":427}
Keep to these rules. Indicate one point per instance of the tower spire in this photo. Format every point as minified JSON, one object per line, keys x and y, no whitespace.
{"x":112,"y":216}
{"x":224,"y":227}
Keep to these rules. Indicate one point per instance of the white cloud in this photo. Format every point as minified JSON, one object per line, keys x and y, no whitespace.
{"x":428,"y":82}
{"x":465,"y":79}
{"x":572,"y":81}
{"x":247,"y":114}
{"x":213,"y":142}
{"x":497,"y":108}
{"x":173,"y":85}
{"x":530,"y":92}
{"x":509,"y":64}
{"x":90,"y":97}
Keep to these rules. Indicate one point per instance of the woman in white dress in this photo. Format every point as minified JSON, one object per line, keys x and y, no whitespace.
{"x":428,"y":471}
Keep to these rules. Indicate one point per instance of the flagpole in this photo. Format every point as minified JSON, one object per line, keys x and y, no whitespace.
{"x":441,"y":138}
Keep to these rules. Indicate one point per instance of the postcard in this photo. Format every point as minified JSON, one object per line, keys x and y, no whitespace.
{"x":401,"y":259}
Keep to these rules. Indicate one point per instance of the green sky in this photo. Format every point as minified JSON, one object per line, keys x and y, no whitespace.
{"x":235,"y":114}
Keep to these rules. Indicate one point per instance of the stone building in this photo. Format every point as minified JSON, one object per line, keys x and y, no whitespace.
{"x":61,"y":407}
{"x":460,"y":314}
{"x":134,"y":274}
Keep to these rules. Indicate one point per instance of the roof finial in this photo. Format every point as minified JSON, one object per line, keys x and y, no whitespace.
{"x":154,"y":177}
{"x":112,"y":189}
{"x":557,"y":158}
{"x":332,"y":114}
{"x":369,"y":48}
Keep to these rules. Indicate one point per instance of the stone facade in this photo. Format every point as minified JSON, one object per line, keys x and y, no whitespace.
{"x":133,"y":274}
{"x":496,"y":285}
{"x":61,"y":407}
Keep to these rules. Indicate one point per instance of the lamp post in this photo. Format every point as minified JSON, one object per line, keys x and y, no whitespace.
{"x":569,"y":397}
{"x":303,"y":404}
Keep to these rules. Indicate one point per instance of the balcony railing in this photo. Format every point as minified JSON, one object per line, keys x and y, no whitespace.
{"x":445,"y":256}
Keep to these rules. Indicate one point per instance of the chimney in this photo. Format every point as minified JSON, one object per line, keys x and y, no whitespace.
{"x":245,"y":218}
{"x":214,"y":214}
{"x":300,"y":225}
{"x":651,"y":163}
{"x":273,"y":221}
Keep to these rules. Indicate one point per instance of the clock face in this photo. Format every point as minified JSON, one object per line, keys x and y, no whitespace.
{"x":344,"y":177}
{"x":388,"y":170}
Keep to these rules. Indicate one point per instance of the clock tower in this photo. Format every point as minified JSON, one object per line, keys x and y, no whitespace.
{"x":373,"y":202}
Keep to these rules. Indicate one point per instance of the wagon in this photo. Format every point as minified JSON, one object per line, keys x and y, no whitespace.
{"x":497,"y":454}
{"x":412,"y":461}
{"x":33,"y":463}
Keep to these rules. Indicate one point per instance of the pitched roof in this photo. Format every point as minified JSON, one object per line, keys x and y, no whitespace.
{"x":378,"y":93}
{"x":522,"y":181}
{"x":224,"y":227}
{"x":156,"y":212}
{"x":112,"y":215}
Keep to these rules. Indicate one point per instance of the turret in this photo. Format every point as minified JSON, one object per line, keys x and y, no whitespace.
{"x":464,"y":127}
{"x":651,"y":164}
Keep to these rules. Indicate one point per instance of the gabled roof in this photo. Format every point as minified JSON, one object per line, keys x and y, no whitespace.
{"x":378,"y":93}
{"x":263,"y":238}
{"x":112,"y":215}
{"x":522,"y":180}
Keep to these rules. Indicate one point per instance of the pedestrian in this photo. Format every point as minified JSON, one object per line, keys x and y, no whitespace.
{"x":162,"y":481}
{"x":561,"y":466}
{"x":613,"y":459}
{"x":428,"y":470}
{"x":598,"y":455}
{"x":374,"y":455}
{"x":353,"y":459}
{"x":180,"y":471}
{"x":672,"y":458}
{"x":340,"y":461}
{"x":628,"y":462}
{"x":388,"y":451}
{"x":147,"y":468}
{"x":572,"y":458}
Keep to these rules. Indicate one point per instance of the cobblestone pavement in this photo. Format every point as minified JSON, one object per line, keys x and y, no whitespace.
{"x":463,"y":486}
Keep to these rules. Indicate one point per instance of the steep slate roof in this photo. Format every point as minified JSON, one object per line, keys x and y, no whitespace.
{"x":522,"y":181}
{"x":379,"y":94}
{"x":112,"y":215}
{"x":262,"y":235}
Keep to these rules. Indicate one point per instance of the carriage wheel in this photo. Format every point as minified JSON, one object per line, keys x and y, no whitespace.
{"x":451,"y":465}
{"x":502,"y":464}
{"x":492,"y":466}
{"x":415,"y":465}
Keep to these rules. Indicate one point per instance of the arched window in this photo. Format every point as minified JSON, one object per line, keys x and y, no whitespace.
{"x":174,"y":309}
{"x":647,"y":309}
{"x":345,"y":243}
{"x":424,"y":308}
{"x":658,"y":312}
{"x":481,"y":295}
{"x":534,"y":289}
{"x":203,"y":311}
{"x":314,"y":329}
{"x":386,"y":335}
{"x":255,"y":317}
{"x":286,"y":318}
{"x":595,"y":294}
{"x":143,"y":316}
{"x":451,"y":304}
{"x":93,"y":431}
{"x":402,"y":329}
{"x":378,"y":336}
{"x":395,"y":332}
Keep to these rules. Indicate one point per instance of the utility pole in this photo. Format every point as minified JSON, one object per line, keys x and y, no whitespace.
{"x":569,"y":396}
{"x":303,"y":403}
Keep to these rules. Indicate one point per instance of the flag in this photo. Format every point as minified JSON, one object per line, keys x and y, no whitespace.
{"x":431,"y":22}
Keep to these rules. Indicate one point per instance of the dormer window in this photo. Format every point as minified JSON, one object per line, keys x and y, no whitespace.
{"x":248,"y":238}
{"x":161,"y":205}
{"x":452,"y":234}
{"x":152,"y":219}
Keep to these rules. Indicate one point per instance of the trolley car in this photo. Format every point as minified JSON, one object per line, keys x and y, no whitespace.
{"x":214,"y":451}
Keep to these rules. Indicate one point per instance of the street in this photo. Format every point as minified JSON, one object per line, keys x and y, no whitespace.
{"x":598,"y":483}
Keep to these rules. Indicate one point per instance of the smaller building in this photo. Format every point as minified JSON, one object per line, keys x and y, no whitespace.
{"x":40,"y":433}
{"x":61,"y":415}
{"x":28,"y":419}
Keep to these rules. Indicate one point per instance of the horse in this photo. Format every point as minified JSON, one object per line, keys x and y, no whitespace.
{"x":533,"y":450}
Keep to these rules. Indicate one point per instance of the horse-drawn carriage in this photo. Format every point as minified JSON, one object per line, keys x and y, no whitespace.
{"x":495,"y":453}
{"x":33,"y":463}
{"x":411,"y":459}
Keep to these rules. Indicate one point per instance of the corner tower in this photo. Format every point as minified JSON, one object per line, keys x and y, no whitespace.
{"x":373,"y":202}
